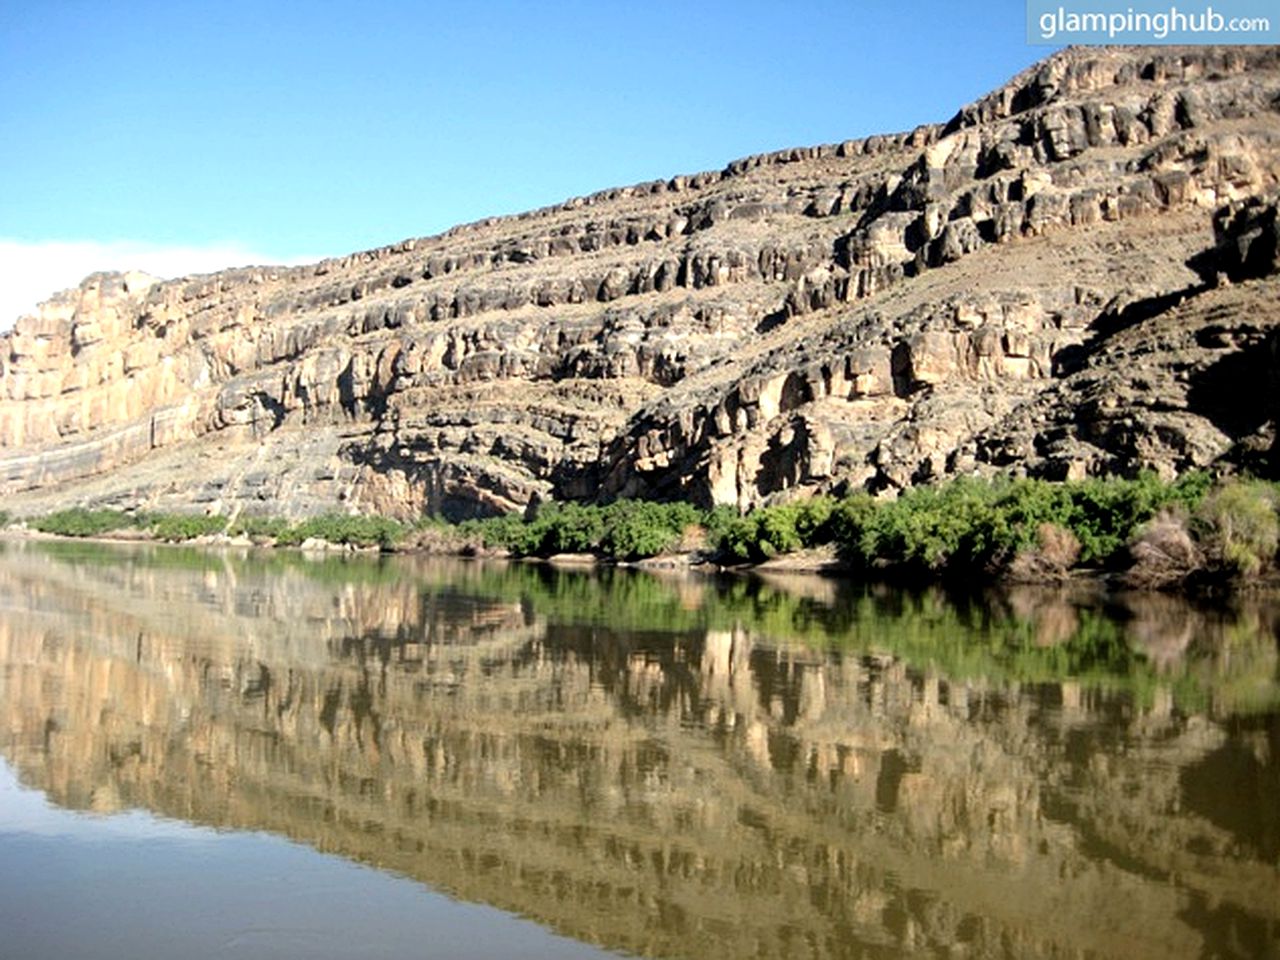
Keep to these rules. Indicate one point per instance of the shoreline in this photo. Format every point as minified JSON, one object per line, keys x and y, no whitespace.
{"x":809,"y":562}
{"x":1196,"y":535}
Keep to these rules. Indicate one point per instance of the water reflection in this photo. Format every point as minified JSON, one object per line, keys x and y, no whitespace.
{"x":680,"y":767}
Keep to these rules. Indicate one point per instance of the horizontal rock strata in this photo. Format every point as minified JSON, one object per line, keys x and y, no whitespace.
{"x":1063,"y":280}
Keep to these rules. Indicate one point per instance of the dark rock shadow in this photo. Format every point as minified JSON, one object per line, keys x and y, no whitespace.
{"x":1118,"y":316}
{"x":273,"y":413}
{"x":1235,"y":393}
{"x":771,"y":321}
{"x":782,"y":465}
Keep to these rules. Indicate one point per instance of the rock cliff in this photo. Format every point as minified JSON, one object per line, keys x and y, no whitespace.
{"x":1077,"y":274}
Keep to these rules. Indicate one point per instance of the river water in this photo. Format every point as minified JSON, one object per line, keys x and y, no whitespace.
{"x":273,"y":755}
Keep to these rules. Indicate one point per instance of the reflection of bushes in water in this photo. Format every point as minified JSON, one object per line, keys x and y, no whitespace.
{"x":1234,"y":670}
{"x":975,"y":639}
{"x":1135,"y":645}
{"x":1053,"y":615}
{"x":334,"y":568}
{"x":1164,"y":627}
{"x":1225,"y":660}
{"x":995,"y":638}
{"x":134,"y":555}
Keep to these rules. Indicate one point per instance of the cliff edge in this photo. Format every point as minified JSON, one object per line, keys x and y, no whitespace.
{"x":1075,"y":275}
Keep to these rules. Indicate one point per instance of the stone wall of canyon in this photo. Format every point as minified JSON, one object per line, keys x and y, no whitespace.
{"x":1068,"y":278}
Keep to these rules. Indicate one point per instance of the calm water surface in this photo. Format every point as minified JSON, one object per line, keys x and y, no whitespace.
{"x":211,"y":755}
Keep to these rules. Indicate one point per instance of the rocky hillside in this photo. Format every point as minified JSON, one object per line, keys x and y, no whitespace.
{"x":1075,"y":275}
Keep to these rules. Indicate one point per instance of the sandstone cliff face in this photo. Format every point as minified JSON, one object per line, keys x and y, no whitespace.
{"x":1035,"y":285}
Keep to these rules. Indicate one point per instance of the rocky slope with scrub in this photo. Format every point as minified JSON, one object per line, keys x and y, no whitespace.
{"x":1075,"y":275}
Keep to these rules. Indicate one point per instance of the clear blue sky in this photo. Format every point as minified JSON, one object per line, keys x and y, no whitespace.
{"x":302,"y":129}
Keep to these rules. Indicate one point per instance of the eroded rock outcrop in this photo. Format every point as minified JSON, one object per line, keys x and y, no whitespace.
{"x":1022,"y":288}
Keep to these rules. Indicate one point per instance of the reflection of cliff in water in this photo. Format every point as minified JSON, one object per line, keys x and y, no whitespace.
{"x":673,"y":791}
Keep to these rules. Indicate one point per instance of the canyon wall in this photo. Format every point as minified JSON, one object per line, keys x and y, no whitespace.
{"x":1068,"y":278}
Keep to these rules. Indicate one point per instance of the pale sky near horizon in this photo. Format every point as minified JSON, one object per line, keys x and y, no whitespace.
{"x":186,"y":137}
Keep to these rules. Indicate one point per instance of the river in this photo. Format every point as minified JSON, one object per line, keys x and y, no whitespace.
{"x":208,"y":754}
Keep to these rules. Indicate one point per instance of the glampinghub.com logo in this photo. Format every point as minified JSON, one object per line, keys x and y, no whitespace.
{"x":1101,"y":22}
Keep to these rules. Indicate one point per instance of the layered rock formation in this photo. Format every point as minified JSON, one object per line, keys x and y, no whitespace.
{"x":1035,"y":285}
{"x":666,"y":792}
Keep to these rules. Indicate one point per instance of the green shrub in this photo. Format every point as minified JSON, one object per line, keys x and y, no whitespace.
{"x":495,"y":532}
{"x":967,"y":526}
{"x":566,"y":528}
{"x":79,"y":522}
{"x":1190,"y":489}
{"x":1105,"y":513}
{"x":1019,"y":509}
{"x":717,"y":521}
{"x":4,"y":518}
{"x":275,"y":528}
{"x":634,"y":529}
{"x":624,"y":530}
{"x":1238,"y":528}
{"x":531,"y":537}
{"x":738,"y":538}
{"x":768,"y":531}
{"x":175,"y":528}
{"x":776,"y":530}
{"x":813,"y":520}
{"x":851,"y":519}
{"x":928,"y":528}
{"x":338,"y":528}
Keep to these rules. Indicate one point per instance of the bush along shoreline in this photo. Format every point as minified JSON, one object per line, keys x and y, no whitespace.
{"x":1142,"y":533}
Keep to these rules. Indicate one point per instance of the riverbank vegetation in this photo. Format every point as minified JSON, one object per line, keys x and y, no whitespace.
{"x":356,"y":531}
{"x":1144,"y":531}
